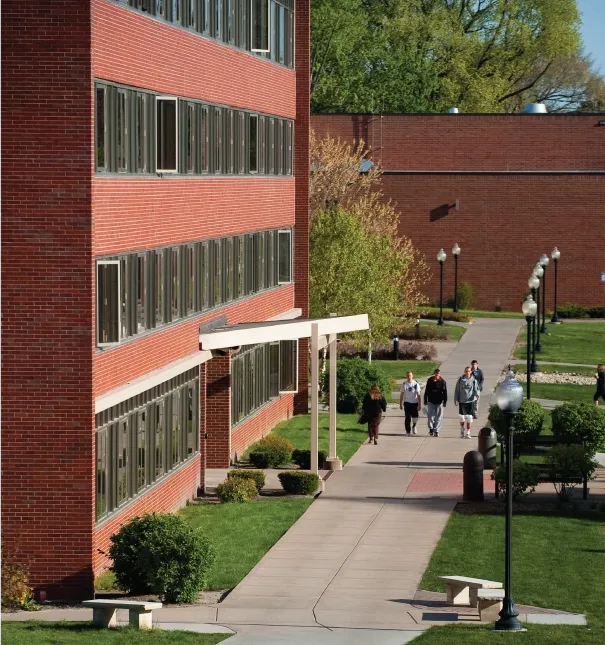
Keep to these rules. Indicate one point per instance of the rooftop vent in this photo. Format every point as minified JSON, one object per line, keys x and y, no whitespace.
{"x":535,"y":108}
{"x":453,"y":111}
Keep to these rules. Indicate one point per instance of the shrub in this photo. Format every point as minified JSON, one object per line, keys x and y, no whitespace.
{"x":566,"y":464}
{"x":407,"y":351}
{"x":237,"y":490}
{"x":299,"y":482}
{"x":528,"y":425}
{"x":422,"y":332}
{"x":159,"y":553}
{"x":16,"y":592}
{"x":525,"y":478}
{"x":577,"y":422}
{"x":455,"y":316}
{"x":302,"y":458}
{"x":466,"y":297}
{"x":271,"y":451}
{"x":354,"y":379}
{"x":569,"y":310}
{"x":257,"y":476}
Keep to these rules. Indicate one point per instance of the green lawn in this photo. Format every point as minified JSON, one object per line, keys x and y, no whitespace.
{"x":450,"y":332}
{"x":549,"y":368}
{"x":582,"y":343}
{"x":398,"y":369}
{"x":475,"y":313}
{"x":558,"y":562}
{"x":73,"y":633}
{"x":563,"y":392}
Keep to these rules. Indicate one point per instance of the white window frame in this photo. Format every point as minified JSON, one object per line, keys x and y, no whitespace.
{"x":176,"y":152}
{"x":286,"y":231}
{"x":119,"y":303}
{"x":264,"y":51}
{"x":295,"y":390}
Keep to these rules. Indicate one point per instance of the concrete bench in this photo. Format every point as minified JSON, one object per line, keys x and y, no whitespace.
{"x":490,"y":604}
{"x":463,"y":591}
{"x":139,"y":613}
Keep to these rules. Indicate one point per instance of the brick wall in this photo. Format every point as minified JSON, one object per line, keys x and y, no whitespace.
{"x":218,"y":412}
{"x":47,"y":315}
{"x":508,"y":214}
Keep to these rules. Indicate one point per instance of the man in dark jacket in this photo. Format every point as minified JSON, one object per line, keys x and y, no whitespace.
{"x":478,"y":374}
{"x":435,"y":398}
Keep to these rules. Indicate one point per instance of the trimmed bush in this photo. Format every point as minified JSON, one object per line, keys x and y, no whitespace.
{"x":160,"y":553}
{"x":569,"y":310}
{"x":455,"y":316}
{"x":302,"y":458}
{"x":16,"y":590}
{"x":271,"y":451}
{"x":566,"y":464}
{"x":525,"y":478}
{"x":237,"y":490}
{"x":257,"y":476}
{"x":354,"y":379}
{"x":579,"y":421}
{"x":466,"y":297}
{"x":528,"y":425}
{"x":299,"y":482}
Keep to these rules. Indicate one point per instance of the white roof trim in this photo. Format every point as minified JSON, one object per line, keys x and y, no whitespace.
{"x":288,"y":315}
{"x":271,"y":331}
{"x":151,"y":379}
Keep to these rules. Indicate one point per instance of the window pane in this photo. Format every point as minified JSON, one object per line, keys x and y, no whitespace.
{"x":229,"y":141}
{"x":228,"y":268}
{"x":253,"y":143}
{"x":241,"y":143}
{"x":287,"y":366}
{"x":278,"y":143}
{"x":191,"y":280}
{"x":108,"y":305}
{"x":191,"y":13}
{"x":285,"y":256}
{"x":158,"y":287}
{"x":101,"y":474}
{"x":121,"y":131}
{"x":218,"y":22}
{"x":270,"y":135}
{"x":122,"y":462}
{"x":141,"y":449}
{"x":176,"y":283}
{"x":192,"y":422}
{"x":205,"y":23}
{"x":141,"y":282}
{"x":166,"y":135}
{"x":289,"y":159}
{"x":177,"y":16}
{"x":100,"y":128}
{"x":160,"y":464}
{"x":230,"y":28}
{"x":269,"y":260}
{"x":175,"y":430}
{"x":205,"y":277}
{"x":260,"y":25}
{"x":142,"y":135}
{"x":281,"y":57}
{"x":273,"y":369}
{"x":216,"y":273}
{"x":124,"y":296}
{"x":218,"y":139}
{"x":259,"y":262}
{"x":274,"y":33}
{"x":240,"y":266}
{"x":204,"y":133}
{"x":192,"y":137}
{"x":249,"y":265}
{"x":262,"y":145}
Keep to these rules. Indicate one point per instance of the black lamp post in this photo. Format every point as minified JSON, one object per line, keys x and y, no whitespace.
{"x":538,"y":272}
{"x":441,"y":259}
{"x":544,"y":260}
{"x":555,"y":255}
{"x":529,"y":310}
{"x":533,"y":283}
{"x":509,"y":396}
{"x":456,"y":252}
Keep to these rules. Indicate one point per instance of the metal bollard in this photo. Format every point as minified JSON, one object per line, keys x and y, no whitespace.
{"x":396,"y":348}
{"x":487,"y":447}
{"x":472,"y":470}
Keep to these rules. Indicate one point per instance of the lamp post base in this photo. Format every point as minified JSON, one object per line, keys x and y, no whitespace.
{"x":555,"y":320}
{"x":534,"y":367}
{"x":543,"y":329}
{"x":440,"y":321}
{"x":538,"y":347}
{"x":508,"y":621}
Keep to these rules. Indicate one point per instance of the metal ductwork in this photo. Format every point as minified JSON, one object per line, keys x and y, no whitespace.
{"x":535,"y":108}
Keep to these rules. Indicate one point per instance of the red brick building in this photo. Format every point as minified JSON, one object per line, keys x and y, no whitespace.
{"x":155,"y":183}
{"x":525,"y":183}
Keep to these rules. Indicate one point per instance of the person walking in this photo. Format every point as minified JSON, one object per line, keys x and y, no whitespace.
{"x":465,"y":395}
{"x":435,"y":398}
{"x":374,"y":404}
{"x":600,"y":376}
{"x":478,"y":374}
{"x":409,"y":401}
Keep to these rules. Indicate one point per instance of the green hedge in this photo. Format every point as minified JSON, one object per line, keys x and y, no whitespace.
{"x":569,"y":310}
{"x":299,"y":482}
{"x":271,"y":452}
{"x":302,"y":458}
{"x":257,"y":476}
{"x":582,"y":422}
{"x":237,"y":490}
{"x":528,"y":425}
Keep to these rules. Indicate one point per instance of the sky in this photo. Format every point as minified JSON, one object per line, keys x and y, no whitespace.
{"x":593,"y":30}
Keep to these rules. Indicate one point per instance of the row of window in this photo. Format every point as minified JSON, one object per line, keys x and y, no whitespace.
{"x":141,"y":132}
{"x":147,"y":290}
{"x":265,"y":27}
{"x":260,"y":373}
{"x":141,"y":440}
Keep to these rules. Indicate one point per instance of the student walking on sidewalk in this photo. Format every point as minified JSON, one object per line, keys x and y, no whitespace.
{"x":373,"y":406}
{"x":600,"y":376}
{"x":467,"y":392}
{"x":478,"y":374}
{"x":435,"y":398}
{"x":409,"y":401}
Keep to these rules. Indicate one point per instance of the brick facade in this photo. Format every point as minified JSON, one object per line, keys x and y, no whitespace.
{"x":526,"y":183}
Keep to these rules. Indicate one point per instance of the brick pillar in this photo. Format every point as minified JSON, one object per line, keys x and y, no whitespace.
{"x":202,"y":429}
{"x":218,"y":412}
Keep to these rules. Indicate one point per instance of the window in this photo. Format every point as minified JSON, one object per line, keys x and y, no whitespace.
{"x":204,"y":134}
{"x":141,"y":444}
{"x":124,"y":296}
{"x":240,"y":259}
{"x":205,"y":20}
{"x":241,"y":143}
{"x":122,"y":462}
{"x":218,"y":19}
{"x":102,"y":450}
{"x":281,"y":29}
{"x":192,"y":420}
{"x":253,"y":143}
{"x":273,"y":370}
{"x":259,"y":261}
{"x":218,"y":138}
{"x":260,"y":25}
{"x":100,"y":127}
{"x":288,"y":362}
{"x":270,"y":280}
{"x":108,"y":303}
{"x":289,"y":136}
{"x":191,"y":286}
{"x":191,"y":13}
{"x":160,"y":463}
{"x":216,"y":290}
{"x":284,"y":273}
{"x":175,"y":430}
{"x":175,"y":290}
{"x":270,"y":137}
{"x":191,"y":125}
{"x":229,"y":141}
{"x":166,"y":134}
{"x":204,"y":277}
{"x":229,"y":27}
{"x":262,"y":156}
{"x":158,"y":287}
{"x":141,"y":133}
{"x":279,"y":147}
{"x":248,"y":264}
{"x":141,"y":291}
{"x":122,"y":131}
{"x":228,"y":280}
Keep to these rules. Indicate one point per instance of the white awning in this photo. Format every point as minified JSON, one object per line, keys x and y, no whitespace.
{"x":273,"y":330}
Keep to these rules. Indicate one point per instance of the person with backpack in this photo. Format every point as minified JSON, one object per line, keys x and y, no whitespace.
{"x":435,"y":398}
{"x":465,"y":395}
{"x":478,"y":374}
{"x":409,"y":401}
{"x":374,"y":404}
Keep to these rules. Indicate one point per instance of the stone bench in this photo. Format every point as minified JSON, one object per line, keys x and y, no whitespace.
{"x":139,"y":613}
{"x":490,"y":604}
{"x":463,"y":591}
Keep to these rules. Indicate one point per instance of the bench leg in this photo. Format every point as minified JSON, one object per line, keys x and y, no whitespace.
{"x":457,"y":595}
{"x":140,"y":619}
{"x":489,"y":610}
{"x":104,"y":617}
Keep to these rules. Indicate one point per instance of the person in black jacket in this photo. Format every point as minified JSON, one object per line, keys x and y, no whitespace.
{"x":600,"y":376}
{"x":373,"y":406}
{"x":478,"y":374}
{"x":435,"y":398}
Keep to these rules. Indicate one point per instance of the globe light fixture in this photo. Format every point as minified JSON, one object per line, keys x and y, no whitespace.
{"x":534,"y":284}
{"x":441,"y":259}
{"x":544,"y":260}
{"x":529,"y":309}
{"x":555,"y":255}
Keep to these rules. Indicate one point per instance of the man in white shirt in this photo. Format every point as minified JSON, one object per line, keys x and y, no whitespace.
{"x":409,"y":401}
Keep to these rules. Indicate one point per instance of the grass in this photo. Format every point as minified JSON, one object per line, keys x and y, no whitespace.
{"x":548,"y":368}
{"x":563,"y":392}
{"x":77,"y":633}
{"x":398,"y":369}
{"x":582,"y":343}
{"x":558,"y":562}
{"x":450,"y":332}
{"x":477,"y":313}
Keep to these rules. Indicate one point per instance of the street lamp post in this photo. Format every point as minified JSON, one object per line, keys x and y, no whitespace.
{"x":544,"y":260}
{"x":538,"y":272}
{"x":529,"y":310}
{"x":441,"y":259}
{"x":533,"y":283}
{"x":509,"y":396}
{"x":555,"y":255}
{"x":456,"y":252}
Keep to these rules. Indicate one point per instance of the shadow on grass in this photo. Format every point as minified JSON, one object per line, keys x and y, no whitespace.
{"x":76,"y":628}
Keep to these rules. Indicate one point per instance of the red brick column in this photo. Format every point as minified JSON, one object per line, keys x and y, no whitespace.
{"x":218,"y":412}
{"x":202,"y":428}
